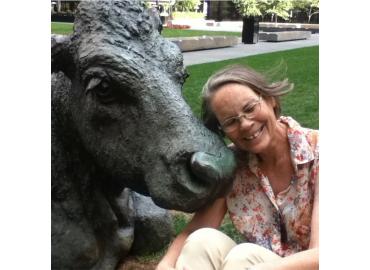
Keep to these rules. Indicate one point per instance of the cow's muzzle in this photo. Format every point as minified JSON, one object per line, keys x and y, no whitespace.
{"x":213,"y":169}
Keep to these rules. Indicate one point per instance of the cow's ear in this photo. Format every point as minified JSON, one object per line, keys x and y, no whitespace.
{"x":61,"y":57}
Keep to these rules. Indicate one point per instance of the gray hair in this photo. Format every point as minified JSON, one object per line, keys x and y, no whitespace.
{"x":245,"y":76}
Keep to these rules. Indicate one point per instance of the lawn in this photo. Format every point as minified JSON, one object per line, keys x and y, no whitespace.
{"x":61,"y":28}
{"x":67,"y":28}
{"x":302,"y":68}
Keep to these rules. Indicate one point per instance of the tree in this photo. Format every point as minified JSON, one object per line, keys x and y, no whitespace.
{"x":310,"y":7}
{"x":276,"y":8}
{"x":248,"y":7}
{"x":187,"y":5}
{"x":59,"y":5}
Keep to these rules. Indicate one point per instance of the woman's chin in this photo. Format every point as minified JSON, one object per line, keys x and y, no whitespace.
{"x":255,"y":146}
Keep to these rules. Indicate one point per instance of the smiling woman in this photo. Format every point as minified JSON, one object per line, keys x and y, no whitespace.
{"x":274,"y":198}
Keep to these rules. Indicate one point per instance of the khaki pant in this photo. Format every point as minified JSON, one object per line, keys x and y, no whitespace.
{"x":210,"y":249}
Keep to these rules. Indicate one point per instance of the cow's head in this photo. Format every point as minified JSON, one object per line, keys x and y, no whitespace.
{"x":128,"y":109}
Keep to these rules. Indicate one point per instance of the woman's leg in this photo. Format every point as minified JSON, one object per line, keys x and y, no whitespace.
{"x":204,"y":249}
{"x":245,"y":255}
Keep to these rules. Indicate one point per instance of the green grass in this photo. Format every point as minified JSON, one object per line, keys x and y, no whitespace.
{"x":302,"y":69}
{"x":228,"y":228}
{"x":61,"y":28}
{"x":180,"y":220}
{"x":67,"y":28}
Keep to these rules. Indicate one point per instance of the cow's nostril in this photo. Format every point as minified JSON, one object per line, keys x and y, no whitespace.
{"x":213,"y":169}
{"x":205,"y":167}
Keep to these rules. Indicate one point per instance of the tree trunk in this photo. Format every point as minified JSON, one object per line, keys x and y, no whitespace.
{"x":309,"y":14}
{"x":250,"y":30}
{"x":59,"y":5}
{"x":309,"y":18}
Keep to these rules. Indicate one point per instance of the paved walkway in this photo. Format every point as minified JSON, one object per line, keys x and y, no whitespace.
{"x":242,"y":50}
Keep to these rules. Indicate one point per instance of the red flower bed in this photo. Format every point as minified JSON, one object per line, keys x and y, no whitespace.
{"x":177,"y":26}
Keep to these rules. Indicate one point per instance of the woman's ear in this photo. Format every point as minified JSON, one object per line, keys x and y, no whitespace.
{"x":61,"y":57}
{"x":271,"y":101}
{"x":274,"y":103}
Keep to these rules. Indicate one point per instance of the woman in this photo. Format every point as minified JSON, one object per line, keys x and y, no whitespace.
{"x":275,"y":195}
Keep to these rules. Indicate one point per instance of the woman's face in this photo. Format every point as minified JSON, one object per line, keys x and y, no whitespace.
{"x":255,"y":134}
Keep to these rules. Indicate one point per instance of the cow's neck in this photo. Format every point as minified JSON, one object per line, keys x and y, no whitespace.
{"x":70,"y":163}
{"x":75,"y":194}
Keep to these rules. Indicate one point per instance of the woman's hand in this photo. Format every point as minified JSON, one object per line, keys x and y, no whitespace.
{"x":210,"y":216}
{"x":262,"y":266}
{"x":164,"y":266}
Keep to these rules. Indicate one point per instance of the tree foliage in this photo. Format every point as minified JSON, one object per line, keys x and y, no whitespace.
{"x":276,"y":8}
{"x":248,"y":7}
{"x":310,"y":7}
{"x":186,"y":5}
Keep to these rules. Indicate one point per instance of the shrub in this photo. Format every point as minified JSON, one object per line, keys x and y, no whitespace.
{"x":187,"y":5}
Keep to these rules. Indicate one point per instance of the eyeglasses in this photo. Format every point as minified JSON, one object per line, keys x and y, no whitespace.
{"x":249,"y":112}
{"x":283,"y":231}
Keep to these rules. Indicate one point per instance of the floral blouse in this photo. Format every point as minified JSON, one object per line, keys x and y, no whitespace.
{"x":266,"y":219}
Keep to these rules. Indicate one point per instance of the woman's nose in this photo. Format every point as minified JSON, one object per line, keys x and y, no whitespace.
{"x":245,"y":123}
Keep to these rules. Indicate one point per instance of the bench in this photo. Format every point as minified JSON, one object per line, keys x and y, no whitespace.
{"x":204,"y":42}
{"x":284,"y":35}
{"x":278,"y":27}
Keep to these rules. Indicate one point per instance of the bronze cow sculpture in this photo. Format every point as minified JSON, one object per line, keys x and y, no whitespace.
{"x":119,"y":121}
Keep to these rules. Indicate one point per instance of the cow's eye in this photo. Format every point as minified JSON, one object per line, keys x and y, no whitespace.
{"x":182,"y":75}
{"x":101,"y":88}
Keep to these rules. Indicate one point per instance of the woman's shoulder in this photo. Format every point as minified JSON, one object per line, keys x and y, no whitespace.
{"x":312,"y":138}
{"x":302,"y":134}
{"x":296,"y":127}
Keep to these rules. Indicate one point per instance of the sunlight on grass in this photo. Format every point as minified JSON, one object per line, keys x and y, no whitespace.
{"x":61,"y":28}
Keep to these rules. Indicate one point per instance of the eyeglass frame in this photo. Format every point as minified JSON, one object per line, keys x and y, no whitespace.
{"x":245,"y":115}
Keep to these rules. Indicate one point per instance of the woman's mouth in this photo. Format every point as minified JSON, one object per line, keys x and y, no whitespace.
{"x":255,"y":135}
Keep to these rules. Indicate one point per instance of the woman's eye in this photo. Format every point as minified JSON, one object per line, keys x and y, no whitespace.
{"x":229,"y":122}
{"x":250,"y":108}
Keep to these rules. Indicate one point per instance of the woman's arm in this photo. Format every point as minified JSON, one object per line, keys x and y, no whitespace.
{"x":210,"y":216}
{"x":304,"y":260}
